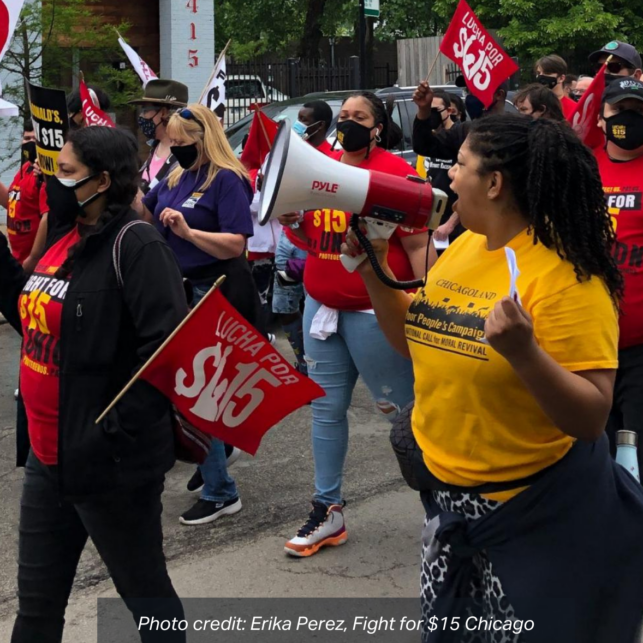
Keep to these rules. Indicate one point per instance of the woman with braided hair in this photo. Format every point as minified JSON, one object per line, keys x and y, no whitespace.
{"x":514,"y":347}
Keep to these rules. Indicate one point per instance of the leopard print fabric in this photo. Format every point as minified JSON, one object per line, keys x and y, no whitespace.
{"x":488,"y":597}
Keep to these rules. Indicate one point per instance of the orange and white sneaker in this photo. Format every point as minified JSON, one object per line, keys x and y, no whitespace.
{"x":325,"y":528}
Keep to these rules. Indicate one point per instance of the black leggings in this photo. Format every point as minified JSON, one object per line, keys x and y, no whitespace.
{"x":125,"y":527}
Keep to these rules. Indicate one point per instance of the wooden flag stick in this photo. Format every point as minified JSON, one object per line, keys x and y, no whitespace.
{"x":435,"y":60}
{"x":216,"y":65}
{"x":160,"y":349}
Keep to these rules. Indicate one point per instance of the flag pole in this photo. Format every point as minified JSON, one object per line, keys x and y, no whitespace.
{"x":216,"y":65}
{"x":134,"y":379}
{"x":435,"y":60}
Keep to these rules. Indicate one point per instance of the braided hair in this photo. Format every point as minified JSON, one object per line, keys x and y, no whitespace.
{"x":105,"y":149}
{"x":556,"y":185}
{"x":391,"y":134}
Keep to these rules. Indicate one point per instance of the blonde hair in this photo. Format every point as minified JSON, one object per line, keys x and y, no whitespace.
{"x":210,"y":138}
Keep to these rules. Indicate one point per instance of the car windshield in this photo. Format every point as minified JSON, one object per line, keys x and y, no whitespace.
{"x":277,"y":111}
{"x":244,"y":88}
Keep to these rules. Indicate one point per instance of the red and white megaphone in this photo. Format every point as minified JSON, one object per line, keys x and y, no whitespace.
{"x":299,"y":177}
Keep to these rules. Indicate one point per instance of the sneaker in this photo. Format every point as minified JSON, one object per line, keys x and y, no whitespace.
{"x":325,"y":527}
{"x":205,"y":511}
{"x":232,"y":454}
{"x":272,"y":338}
{"x":196,"y":481}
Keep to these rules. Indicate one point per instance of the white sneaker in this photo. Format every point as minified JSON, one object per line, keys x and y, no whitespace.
{"x":325,"y":528}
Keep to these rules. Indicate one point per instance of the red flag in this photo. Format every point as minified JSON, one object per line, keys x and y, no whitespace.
{"x":260,"y":138}
{"x":484,"y":63}
{"x":93,"y":114}
{"x":225,"y":378}
{"x":584,"y":119}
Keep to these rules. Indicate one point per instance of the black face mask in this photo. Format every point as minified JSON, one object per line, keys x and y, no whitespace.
{"x":547,"y":81}
{"x":435,"y":120}
{"x":353,"y":137}
{"x":610,"y":78}
{"x":28,"y":151}
{"x":148,"y":127}
{"x":63,"y":202}
{"x":625,"y":130}
{"x":186,"y":155}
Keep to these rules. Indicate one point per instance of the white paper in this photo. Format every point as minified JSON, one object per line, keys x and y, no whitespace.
{"x":441,"y":245}
{"x":514,"y":273}
{"x":214,"y":95}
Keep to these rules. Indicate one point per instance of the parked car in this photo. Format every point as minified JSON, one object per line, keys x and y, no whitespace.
{"x":244,"y":90}
{"x":403,"y":114}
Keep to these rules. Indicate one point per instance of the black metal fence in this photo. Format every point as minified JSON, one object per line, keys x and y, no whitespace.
{"x":263,"y":82}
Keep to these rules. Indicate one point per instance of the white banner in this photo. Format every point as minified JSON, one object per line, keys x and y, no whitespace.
{"x":140,"y":66}
{"x":214,"y":94}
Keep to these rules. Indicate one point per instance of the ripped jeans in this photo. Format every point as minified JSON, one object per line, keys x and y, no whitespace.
{"x":358,"y":348}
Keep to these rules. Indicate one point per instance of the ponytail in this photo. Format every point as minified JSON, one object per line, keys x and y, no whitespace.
{"x":557,"y":187}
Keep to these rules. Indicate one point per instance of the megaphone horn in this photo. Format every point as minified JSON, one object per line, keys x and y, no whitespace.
{"x":299,"y":177}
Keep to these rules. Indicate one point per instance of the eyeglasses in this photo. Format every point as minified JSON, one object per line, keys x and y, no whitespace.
{"x":189,"y":116}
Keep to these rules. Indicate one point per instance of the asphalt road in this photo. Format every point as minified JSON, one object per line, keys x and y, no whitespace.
{"x":275,"y":487}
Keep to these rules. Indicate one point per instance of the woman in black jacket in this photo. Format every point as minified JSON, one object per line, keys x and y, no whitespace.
{"x":84,"y":335}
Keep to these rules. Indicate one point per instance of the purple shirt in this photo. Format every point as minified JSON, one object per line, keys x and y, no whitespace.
{"x":223,"y":207}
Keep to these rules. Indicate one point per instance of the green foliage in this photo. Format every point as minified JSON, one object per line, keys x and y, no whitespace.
{"x":571,"y":28}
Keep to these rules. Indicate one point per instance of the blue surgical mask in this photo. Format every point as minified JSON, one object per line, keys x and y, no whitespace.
{"x":299,"y":128}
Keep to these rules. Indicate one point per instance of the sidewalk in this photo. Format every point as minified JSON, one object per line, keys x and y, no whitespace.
{"x":381,"y":559}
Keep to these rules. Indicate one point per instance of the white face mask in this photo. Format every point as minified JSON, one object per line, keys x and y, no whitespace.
{"x":72,"y":184}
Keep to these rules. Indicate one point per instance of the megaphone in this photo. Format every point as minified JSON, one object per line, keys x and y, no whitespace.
{"x":299,"y":177}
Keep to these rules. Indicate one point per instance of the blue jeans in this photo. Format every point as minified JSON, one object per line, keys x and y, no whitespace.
{"x":218,"y":485}
{"x":358,"y":348}
{"x":286,"y":299}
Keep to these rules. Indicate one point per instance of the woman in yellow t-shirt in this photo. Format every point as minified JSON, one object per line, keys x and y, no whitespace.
{"x":510,"y":376}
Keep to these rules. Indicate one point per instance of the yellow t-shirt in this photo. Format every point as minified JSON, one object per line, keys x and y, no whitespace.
{"x":474,"y":419}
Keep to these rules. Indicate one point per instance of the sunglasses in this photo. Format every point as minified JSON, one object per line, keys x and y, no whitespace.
{"x":189,"y":116}
{"x":615,"y":67}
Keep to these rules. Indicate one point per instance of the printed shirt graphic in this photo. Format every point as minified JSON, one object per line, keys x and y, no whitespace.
{"x":325,"y":278}
{"x":24,"y":212}
{"x":41,"y":305}
{"x":474,"y":419}
{"x":623,"y":187}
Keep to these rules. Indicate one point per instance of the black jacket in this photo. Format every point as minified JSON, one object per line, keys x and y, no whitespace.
{"x":106,"y":336}
{"x":444,"y":143}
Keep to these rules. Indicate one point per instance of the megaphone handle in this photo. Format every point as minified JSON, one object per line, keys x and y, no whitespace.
{"x":374,"y":230}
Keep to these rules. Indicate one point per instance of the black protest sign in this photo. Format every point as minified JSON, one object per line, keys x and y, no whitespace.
{"x":51,"y":122}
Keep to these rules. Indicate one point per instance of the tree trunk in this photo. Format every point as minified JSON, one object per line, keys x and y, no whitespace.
{"x":311,"y":38}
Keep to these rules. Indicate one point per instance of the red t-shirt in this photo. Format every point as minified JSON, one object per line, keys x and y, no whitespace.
{"x":569,"y":106}
{"x":623,"y":186}
{"x":24,"y":211}
{"x":41,"y":306}
{"x":325,"y":278}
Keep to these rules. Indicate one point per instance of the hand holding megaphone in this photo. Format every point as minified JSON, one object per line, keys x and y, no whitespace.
{"x":352,"y":249}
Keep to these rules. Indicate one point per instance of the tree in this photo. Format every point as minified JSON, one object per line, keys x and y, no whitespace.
{"x":51,"y":43}
{"x":568,"y":27}
{"x":312,"y":35}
